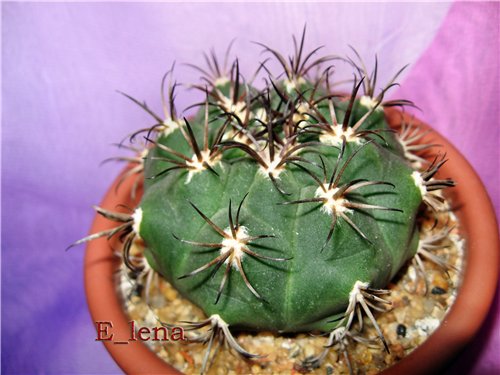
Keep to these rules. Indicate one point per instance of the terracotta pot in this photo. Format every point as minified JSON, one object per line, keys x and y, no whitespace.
{"x":105,"y":305}
{"x":478,"y":226}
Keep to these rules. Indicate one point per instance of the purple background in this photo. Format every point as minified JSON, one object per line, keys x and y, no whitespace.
{"x":62,"y":62}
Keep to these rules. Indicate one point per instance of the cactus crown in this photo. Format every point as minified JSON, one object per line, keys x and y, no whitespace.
{"x":328,"y":196}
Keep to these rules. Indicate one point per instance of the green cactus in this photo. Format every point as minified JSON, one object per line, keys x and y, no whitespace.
{"x":283,"y":209}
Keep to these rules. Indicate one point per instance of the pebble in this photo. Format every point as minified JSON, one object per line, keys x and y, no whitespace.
{"x":397,"y":351}
{"x":309,"y":351}
{"x":438,"y":312}
{"x":171,"y":294}
{"x":295,"y":351}
{"x":287,"y":344}
{"x":440,"y":282}
{"x":401,"y":330}
{"x":428,"y":306}
{"x":400,"y":315}
{"x":366,"y":357}
{"x":426,"y":326}
{"x":438,"y":291}
{"x":179,"y":358}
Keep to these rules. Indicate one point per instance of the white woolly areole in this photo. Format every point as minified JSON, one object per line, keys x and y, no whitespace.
{"x":237,"y":108}
{"x":334,"y":137}
{"x":236,"y":244}
{"x":260,"y":114}
{"x":144,"y":153}
{"x":146,"y":267}
{"x":238,"y":136}
{"x":272,"y":168}
{"x":217,"y":320}
{"x":355,"y":293}
{"x":419,"y":182}
{"x":221,"y":81}
{"x":331,"y":205}
{"x":339,"y":333}
{"x":368,"y":102}
{"x":301,"y":112}
{"x":170,"y":125}
{"x":137,"y":216}
{"x":197,"y":164}
{"x":290,"y":85}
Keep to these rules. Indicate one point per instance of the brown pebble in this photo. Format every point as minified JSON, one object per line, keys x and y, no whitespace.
{"x":366,"y":357}
{"x":440,"y":281}
{"x":397,"y":351}
{"x":171,"y":294}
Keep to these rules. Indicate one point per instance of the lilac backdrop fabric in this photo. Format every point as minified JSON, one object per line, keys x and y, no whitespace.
{"x":61,"y":65}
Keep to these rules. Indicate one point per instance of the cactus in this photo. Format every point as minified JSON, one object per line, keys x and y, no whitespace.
{"x":287,"y":208}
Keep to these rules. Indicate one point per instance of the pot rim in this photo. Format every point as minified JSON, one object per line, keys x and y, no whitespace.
{"x":474,"y":297}
{"x":100,"y":276}
{"x":481,"y":266}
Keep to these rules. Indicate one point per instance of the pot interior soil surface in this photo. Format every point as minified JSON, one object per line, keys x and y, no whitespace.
{"x":418,"y":304}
